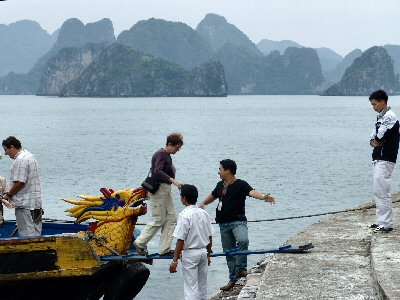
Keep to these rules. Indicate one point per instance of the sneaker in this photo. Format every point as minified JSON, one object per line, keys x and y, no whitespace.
{"x":373,"y":226}
{"x":140,"y":251}
{"x":243,"y":273}
{"x":168,"y":253}
{"x":227,"y":287}
{"x":382,"y":229}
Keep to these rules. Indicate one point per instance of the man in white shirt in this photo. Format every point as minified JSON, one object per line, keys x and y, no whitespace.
{"x":385,"y":143}
{"x":24,"y":193}
{"x":194,"y":240}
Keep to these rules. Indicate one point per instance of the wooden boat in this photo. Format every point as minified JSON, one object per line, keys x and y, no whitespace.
{"x":66,"y":261}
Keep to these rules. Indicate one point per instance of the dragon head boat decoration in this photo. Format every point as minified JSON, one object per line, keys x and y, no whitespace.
{"x":69,"y":260}
{"x":115,"y":212}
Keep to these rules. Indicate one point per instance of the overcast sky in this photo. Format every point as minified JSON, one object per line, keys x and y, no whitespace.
{"x":337,"y":24}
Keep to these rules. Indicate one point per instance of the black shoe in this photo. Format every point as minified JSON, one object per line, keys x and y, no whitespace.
{"x":242,"y":273}
{"x":373,"y":226}
{"x":227,"y":287}
{"x":168,"y":253}
{"x":140,"y":251}
{"x":382,"y":229}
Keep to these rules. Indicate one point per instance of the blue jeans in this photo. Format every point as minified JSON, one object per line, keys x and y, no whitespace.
{"x":235,"y":235}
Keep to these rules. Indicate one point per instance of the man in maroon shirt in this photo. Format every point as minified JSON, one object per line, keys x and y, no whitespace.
{"x":161,"y":203}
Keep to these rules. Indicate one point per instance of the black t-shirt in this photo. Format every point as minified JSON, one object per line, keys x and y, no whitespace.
{"x":231,"y":206}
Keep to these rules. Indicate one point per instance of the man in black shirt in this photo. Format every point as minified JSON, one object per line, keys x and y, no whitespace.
{"x":231,"y":217}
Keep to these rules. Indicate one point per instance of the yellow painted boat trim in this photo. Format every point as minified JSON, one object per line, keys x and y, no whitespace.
{"x":75,"y":257}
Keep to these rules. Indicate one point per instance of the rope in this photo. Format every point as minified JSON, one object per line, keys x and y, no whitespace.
{"x":99,"y":240}
{"x":319,"y":214}
{"x":281,"y":218}
{"x":303,"y":216}
{"x":266,"y":220}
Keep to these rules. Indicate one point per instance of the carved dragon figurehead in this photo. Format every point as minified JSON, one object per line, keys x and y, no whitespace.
{"x":116,"y":213}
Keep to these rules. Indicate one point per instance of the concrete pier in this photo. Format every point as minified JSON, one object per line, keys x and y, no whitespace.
{"x":349,"y":261}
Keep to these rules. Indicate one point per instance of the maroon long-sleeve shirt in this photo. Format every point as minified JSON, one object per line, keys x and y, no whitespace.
{"x":161,"y":164}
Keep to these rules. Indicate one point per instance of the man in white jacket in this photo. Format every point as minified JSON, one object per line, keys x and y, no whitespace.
{"x":385,"y":142}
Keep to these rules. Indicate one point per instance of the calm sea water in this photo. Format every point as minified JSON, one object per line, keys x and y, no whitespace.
{"x":310,"y":152}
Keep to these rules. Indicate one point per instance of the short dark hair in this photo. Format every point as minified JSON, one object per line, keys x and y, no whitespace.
{"x":379,"y":95}
{"x":229,"y":164}
{"x":174,"y":139}
{"x":12,"y":141}
{"x":189,"y":191}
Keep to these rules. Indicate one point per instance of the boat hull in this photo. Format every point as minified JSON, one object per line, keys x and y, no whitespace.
{"x":63,"y":266}
{"x":116,"y":281}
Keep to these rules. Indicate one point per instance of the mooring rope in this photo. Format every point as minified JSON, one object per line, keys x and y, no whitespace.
{"x":308,"y":216}
{"x":99,"y":240}
{"x":275,"y":219}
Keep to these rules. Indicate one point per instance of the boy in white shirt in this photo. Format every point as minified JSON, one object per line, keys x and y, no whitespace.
{"x":194,"y":240}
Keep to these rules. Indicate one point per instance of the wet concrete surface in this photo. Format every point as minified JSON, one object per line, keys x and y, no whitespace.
{"x":349,"y":261}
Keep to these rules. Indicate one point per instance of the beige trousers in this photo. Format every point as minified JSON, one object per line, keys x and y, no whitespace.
{"x":163,"y":217}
